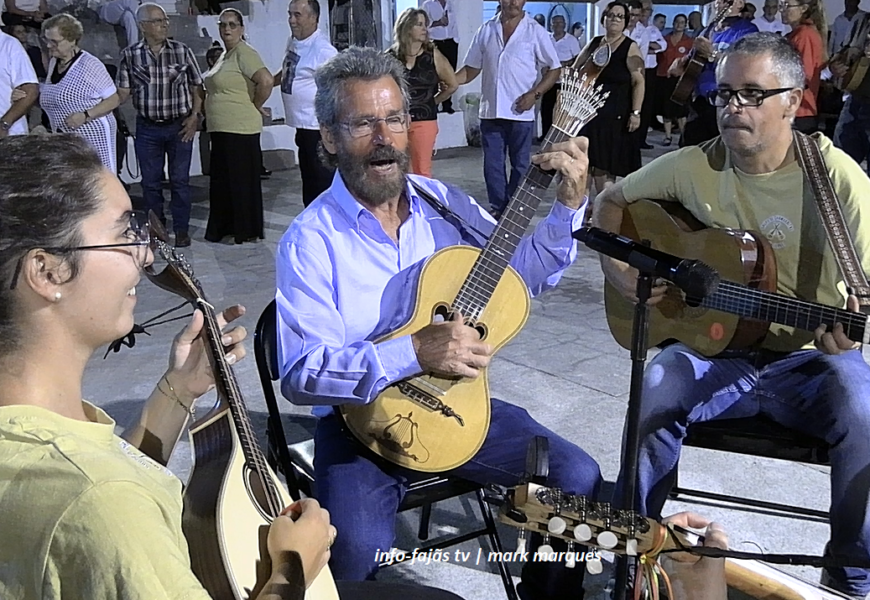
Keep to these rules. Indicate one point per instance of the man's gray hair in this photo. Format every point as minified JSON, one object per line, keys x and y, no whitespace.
{"x":354,"y":64}
{"x":787,"y":63}
{"x":142,"y":11}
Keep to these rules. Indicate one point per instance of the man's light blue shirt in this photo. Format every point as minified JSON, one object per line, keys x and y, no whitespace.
{"x":343,"y":284}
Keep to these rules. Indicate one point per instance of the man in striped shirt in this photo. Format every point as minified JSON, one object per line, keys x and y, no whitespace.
{"x":166,"y":84}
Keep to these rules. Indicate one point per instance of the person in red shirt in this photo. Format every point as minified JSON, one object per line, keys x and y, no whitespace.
{"x":808,"y":29}
{"x":679,"y":45}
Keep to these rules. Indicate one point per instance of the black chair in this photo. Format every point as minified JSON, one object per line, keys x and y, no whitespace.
{"x":756,"y":436}
{"x":296,"y":461}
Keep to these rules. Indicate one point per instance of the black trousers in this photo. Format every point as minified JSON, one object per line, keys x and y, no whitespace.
{"x":235,"y":193}
{"x":11,"y":20}
{"x":703,"y":127}
{"x":649,"y":103}
{"x":371,"y":590}
{"x":316,"y":177}
{"x":450,"y":49}
{"x":548,"y":105}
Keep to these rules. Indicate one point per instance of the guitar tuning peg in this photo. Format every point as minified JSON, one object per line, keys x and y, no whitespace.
{"x":631,"y":547}
{"x":571,"y":562}
{"x":594,"y":566}
{"x":607,"y":540}
{"x":582,"y":533}
{"x":521,"y":542}
{"x":545,"y":549}
{"x":557,"y":525}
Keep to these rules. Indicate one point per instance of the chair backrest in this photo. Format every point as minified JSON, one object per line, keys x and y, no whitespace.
{"x":266,"y":355}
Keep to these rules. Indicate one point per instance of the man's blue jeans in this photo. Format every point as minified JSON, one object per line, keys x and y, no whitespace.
{"x":154,"y":143}
{"x":500,"y":136}
{"x":825,"y":396}
{"x":852,"y":134}
{"x":362,"y":496}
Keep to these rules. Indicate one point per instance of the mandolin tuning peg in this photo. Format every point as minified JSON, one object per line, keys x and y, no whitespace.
{"x":594,"y":566}
{"x":557,"y":525}
{"x":582,"y":533}
{"x":607,"y":539}
{"x":631,"y":547}
{"x":571,"y":561}
{"x":545,"y":549}
{"x":521,"y":542}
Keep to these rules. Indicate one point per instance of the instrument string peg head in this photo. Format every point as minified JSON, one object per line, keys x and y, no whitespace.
{"x":582,"y":533}
{"x":571,"y":562}
{"x":631,"y":547}
{"x":594,"y":566}
{"x":557,"y":525}
{"x":521,"y":541}
{"x":607,"y":540}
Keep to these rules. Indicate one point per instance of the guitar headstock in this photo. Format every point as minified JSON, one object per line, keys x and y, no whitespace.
{"x":578,"y":520}
{"x":724,"y":9}
{"x":579,"y":100}
{"x":178,"y":276}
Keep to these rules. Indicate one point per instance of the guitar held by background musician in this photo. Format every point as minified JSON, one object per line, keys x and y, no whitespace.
{"x":816,"y":383}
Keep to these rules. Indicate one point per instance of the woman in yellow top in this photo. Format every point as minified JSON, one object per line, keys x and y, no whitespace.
{"x":236,"y":89}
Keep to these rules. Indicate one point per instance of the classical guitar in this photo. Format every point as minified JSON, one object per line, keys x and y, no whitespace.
{"x":739,"y":313}
{"x":583,"y":523}
{"x":433,"y":423}
{"x":696,"y":64}
{"x":232,"y":496}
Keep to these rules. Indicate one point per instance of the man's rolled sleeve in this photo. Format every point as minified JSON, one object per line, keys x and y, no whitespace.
{"x":398,"y":358}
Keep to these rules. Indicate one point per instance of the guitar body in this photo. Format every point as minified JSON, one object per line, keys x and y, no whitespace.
{"x":225,"y":526}
{"x":855,"y":76}
{"x":739,"y":256}
{"x":686,"y":85}
{"x":408,"y":423}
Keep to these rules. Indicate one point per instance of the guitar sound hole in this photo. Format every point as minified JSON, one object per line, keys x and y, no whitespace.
{"x":442,"y":312}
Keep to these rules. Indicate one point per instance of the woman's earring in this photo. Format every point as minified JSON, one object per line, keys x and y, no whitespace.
{"x":57,"y":296}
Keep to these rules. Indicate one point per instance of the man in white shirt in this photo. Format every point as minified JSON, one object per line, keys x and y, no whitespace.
{"x":841,"y":30}
{"x":651,"y":42}
{"x":768,"y":21}
{"x":307,"y":49}
{"x":16,"y":72}
{"x":122,"y":13}
{"x":510,"y":50}
{"x":444,"y":32}
{"x":567,"y":49}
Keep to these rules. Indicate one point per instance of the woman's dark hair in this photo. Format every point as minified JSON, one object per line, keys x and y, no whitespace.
{"x":611,"y":5}
{"x":48,"y":186}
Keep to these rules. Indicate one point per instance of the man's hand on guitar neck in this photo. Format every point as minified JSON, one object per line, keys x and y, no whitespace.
{"x":835,"y":341}
{"x":451,"y":348}
{"x":703,"y":47}
{"x":570,"y":159}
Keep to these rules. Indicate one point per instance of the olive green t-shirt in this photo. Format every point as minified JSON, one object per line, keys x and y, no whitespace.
{"x":83,"y":514}
{"x":229,"y":100}
{"x":780,"y":205}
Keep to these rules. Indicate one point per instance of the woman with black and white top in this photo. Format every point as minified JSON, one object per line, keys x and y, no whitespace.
{"x":78,"y":94}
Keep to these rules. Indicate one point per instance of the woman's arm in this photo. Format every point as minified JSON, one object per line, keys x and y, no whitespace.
{"x":77,"y":119}
{"x":447,"y":77}
{"x":262,"y":87}
{"x":635,"y":64}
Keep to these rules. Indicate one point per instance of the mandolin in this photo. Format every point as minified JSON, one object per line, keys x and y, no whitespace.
{"x":738,"y":314}
{"x":232,"y":496}
{"x":533,"y":508}
{"x":696,"y":64}
{"x":433,"y":423}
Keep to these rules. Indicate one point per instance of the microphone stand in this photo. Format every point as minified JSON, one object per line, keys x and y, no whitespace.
{"x":631,"y":448}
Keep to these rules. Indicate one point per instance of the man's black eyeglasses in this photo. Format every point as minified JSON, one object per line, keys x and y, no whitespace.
{"x":138,"y":233}
{"x":746,"y":97}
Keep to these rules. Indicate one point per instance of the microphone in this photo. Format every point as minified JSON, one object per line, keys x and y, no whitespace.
{"x":695,"y":278}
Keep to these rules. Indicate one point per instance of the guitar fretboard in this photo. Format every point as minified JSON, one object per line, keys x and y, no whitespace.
{"x":766,"y":306}
{"x":496,"y":255}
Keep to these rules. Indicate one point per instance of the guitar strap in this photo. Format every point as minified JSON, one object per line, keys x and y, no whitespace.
{"x":813,"y":165}
{"x":451,"y":217}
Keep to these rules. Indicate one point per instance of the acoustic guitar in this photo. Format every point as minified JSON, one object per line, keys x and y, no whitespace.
{"x":233,"y":495}
{"x":433,"y":423}
{"x":552,"y":513}
{"x":739,"y":313}
{"x":696,"y":64}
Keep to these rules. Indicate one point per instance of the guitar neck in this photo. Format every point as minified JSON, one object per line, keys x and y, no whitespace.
{"x":775,"y":308}
{"x":496,"y":255}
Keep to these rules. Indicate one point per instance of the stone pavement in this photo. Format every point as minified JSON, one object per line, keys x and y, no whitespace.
{"x":564,"y":368}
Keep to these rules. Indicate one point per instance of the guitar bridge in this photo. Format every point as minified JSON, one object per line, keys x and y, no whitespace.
{"x":428,"y":401}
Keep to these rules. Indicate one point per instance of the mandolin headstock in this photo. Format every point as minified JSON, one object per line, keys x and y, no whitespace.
{"x":177,"y":277}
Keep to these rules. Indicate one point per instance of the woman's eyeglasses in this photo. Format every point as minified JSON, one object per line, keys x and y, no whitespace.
{"x":614,"y":16}
{"x":228,"y":25}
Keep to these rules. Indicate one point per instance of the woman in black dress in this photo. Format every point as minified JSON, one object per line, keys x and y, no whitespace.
{"x":614,"y":147}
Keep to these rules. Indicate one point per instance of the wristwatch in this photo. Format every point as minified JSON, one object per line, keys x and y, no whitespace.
{"x":537,"y":95}
{"x":87,"y":116}
{"x":5,"y":125}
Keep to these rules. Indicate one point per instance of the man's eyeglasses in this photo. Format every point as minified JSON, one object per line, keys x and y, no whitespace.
{"x":746,"y":97}
{"x":365,"y":127}
{"x":614,"y":16}
{"x":163,"y":21}
{"x":138,"y":234}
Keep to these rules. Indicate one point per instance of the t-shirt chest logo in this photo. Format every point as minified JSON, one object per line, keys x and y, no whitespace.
{"x":776,"y":229}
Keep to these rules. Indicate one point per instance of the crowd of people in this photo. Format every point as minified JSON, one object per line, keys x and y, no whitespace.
{"x":72,"y":249}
